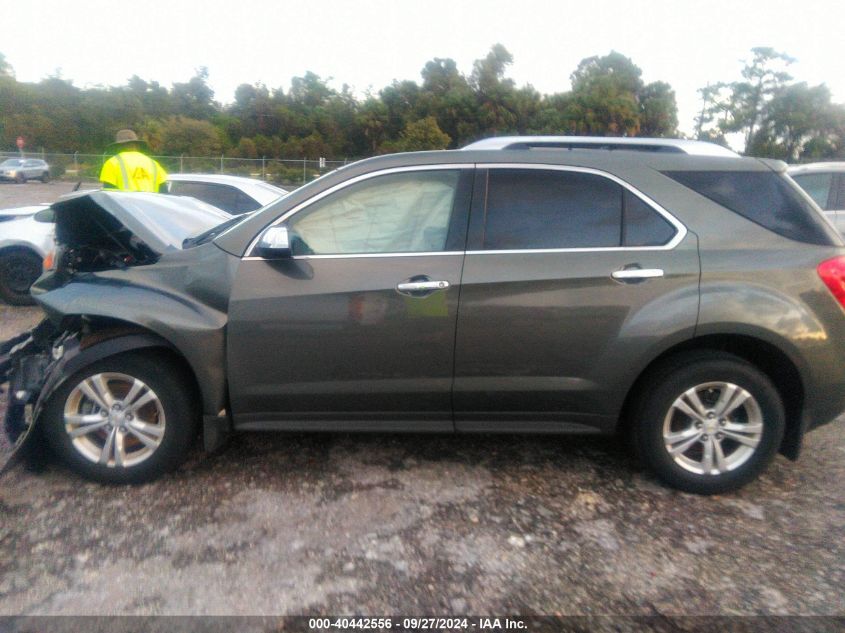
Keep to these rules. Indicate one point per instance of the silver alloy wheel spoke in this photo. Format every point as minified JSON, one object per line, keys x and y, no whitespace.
{"x":695,"y":401}
{"x":713,"y":428}
{"x":137,"y":387}
{"x":87,"y":387}
{"x":105,"y":453}
{"x":721,"y":464}
{"x":683,"y":447}
{"x":743,"y":439}
{"x":140,"y":402}
{"x":743,"y":428}
{"x":89,"y":428}
{"x":687,"y":409}
{"x":707,"y":458}
{"x":119,"y":449}
{"x":147,"y":429}
{"x":734,"y":403}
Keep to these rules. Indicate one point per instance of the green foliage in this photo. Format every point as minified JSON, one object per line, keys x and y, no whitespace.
{"x":776,"y":117}
{"x":422,"y":135}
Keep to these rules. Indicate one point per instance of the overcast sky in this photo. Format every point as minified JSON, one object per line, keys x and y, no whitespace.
{"x":369,"y":43}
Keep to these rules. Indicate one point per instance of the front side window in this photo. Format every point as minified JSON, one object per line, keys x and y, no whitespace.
{"x":394,"y":213}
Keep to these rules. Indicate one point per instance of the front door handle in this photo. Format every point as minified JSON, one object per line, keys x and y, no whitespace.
{"x":421,"y":286}
{"x":629,"y":275}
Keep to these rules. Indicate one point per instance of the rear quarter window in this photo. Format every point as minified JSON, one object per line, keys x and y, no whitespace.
{"x":764,"y":197}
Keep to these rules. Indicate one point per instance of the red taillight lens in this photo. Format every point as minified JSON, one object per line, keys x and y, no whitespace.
{"x":832,"y":272}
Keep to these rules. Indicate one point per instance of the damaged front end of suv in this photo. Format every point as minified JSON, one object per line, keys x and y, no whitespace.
{"x":117,"y":254}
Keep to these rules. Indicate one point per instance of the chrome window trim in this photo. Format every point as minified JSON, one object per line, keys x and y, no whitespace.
{"x":343,"y":185}
{"x":253,"y":258}
{"x":680,"y":229}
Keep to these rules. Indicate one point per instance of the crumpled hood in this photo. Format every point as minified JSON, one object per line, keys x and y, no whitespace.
{"x":161,"y":221}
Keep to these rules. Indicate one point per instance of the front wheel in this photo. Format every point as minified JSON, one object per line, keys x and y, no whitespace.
{"x":126,"y":419}
{"x":709,"y":423}
{"x":20,"y":179}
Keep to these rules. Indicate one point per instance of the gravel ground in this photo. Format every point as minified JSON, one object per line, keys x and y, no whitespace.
{"x":379,"y":524}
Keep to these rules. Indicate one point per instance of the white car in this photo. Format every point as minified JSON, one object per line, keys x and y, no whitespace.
{"x":825,"y":183}
{"x":24,"y":242}
{"x":233,"y":194}
{"x":23,"y":245}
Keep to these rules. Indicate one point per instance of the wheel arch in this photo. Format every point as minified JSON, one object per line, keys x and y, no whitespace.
{"x":103,"y":337}
{"x":780,"y":367}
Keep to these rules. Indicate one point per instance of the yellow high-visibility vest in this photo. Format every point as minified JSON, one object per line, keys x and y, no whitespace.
{"x":133,"y":171}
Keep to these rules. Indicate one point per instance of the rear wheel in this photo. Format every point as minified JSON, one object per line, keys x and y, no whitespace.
{"x":709,"y":422}
{"x":19,"y":268}
{"x":126,"y":419}
{"x":45,"y":177}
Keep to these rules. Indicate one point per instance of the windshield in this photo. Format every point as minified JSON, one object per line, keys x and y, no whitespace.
{"x":12,"y":162}
{"x":210,"y":234}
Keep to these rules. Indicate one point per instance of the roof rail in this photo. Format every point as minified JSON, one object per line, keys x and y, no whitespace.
{"x":638,"y":144}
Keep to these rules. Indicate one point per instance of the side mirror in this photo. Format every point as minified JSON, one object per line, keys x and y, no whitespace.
{"x":274,"y":243}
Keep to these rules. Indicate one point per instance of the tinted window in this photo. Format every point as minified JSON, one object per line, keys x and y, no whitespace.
{"x":818,"y":186}
{"x":530,"y":208}
{"x":395,"y":213}
{"x":221,"y":196}
{"x":765,"y":198}
{"x":643,"y":225}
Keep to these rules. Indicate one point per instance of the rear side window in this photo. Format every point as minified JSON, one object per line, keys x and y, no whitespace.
{"x":818,"y":186}
{"x":551,"y":209}
{"x":764,"y":197}
{"x":643,"y":226}
{"x":531,"y":209}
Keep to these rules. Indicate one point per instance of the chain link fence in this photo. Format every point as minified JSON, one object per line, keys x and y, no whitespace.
{"x":289,"y":172}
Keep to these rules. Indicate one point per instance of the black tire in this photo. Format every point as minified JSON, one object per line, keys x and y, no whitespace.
{"x":19,"y":268}
{"x":668,"y":383}
{"x":20,"y":179}
{"x":171,"y":386}
{"x":45,"y":177}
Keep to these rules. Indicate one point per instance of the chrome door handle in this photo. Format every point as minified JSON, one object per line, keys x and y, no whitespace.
{"x":636,"y":274}
{"x":421,"y":286}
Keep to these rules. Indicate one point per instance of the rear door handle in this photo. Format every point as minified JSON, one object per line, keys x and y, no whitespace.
{"x":636,"y":274}
{"x":421,"y":286}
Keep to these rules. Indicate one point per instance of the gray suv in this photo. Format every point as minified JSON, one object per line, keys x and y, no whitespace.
{"x":692,"y":303}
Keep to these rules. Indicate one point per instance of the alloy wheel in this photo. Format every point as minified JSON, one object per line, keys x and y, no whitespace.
{"x":713,"y":428}
{"x":114,"y":419}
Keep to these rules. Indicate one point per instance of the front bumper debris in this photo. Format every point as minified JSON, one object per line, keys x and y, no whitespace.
{"x":25,"y":363}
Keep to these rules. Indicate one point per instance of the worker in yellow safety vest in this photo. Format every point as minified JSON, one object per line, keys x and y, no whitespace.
{"x":130,"y":169}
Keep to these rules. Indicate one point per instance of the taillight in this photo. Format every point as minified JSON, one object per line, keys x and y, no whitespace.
{"x":832,"y":272}
{"x":49,"y":261}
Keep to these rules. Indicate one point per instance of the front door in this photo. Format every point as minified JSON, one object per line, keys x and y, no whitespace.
{"x":357,"y":329}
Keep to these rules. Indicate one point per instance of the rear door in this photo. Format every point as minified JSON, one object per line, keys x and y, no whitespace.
{"x":570,"y":278}
{"x":357,"y":329}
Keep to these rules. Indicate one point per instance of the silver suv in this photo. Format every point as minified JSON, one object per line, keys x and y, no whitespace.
{"x":22,"y":169}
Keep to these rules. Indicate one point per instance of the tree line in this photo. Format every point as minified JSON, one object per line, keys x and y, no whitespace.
{"x":775,"y":115}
